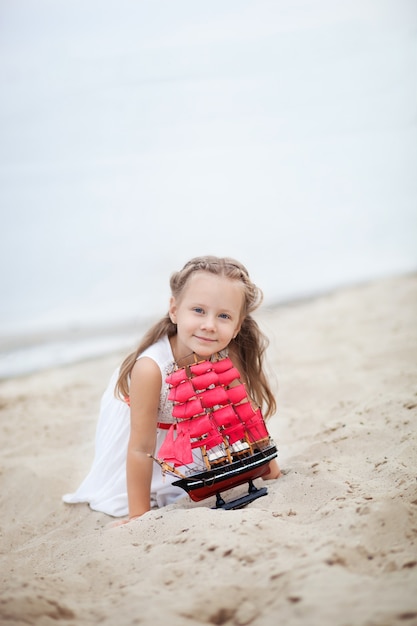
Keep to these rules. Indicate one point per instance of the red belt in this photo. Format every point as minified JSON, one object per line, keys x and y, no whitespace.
{"x":162,"y":425}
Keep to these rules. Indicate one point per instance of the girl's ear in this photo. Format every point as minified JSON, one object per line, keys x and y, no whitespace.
{"x":237,"y":331}
{"x":173,"y":310}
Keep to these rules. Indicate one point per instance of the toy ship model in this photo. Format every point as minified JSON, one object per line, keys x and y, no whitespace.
{"x":219,"y":441}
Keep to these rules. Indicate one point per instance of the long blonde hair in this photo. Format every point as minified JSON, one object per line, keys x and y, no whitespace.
{"x":249,"y":344}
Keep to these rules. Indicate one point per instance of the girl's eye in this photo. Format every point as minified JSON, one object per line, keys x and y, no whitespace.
{"x":198,"y":309}
{"x":224,"y":316}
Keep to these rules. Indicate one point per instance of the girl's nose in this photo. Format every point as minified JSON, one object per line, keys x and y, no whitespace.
{"x":208,"y":323}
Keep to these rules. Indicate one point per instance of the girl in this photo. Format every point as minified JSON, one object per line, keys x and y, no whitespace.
{"x":209,"y":312}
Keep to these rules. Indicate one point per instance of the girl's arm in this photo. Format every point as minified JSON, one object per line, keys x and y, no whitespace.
{"x":145,"y":389}
{"x":274,"y":471}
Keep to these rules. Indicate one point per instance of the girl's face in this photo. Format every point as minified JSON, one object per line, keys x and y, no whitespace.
{"x":208,"y":315}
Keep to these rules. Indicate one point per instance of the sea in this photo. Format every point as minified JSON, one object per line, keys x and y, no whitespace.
{"x":135,"y":135}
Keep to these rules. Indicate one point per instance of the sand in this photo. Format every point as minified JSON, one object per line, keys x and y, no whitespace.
{"x":332,"y":544}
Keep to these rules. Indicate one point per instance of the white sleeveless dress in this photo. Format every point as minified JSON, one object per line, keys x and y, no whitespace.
{"x":105,"y":487}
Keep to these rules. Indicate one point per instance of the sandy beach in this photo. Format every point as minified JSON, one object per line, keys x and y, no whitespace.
{"x":334,"y":543}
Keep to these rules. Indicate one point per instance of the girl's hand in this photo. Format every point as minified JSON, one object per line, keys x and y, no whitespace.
{"x":274,"y":471}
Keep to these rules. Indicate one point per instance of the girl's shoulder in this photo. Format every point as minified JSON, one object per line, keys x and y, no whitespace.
{"x":160,"y":352}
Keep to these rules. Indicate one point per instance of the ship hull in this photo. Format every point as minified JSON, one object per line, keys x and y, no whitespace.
{"x":208,"y":483}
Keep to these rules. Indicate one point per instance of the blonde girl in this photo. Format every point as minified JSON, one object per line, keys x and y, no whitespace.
{"x":210,"y":311}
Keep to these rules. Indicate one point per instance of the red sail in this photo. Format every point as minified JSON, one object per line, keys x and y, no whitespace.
{"x":182,"y":392}
{"x":227,"y":377}
{"x":234,"y":433}
{"x":176,"y":377}
{"x":196,"y":427}
{"x":200,"y":429}
{"x":176,"y":452}
{"x":211,"y":397}
{"x":245,"y":411}
{"x":225,"y":416}
{"x":237,"y":394}
{"x":209,"y":442}
{"x":201,"y":368}
{"x":205,"y":380}
{"x":256,"y":428}
{"x":222,"y":365}
{"x":187,"y":409}
{"x":229,"y":423}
